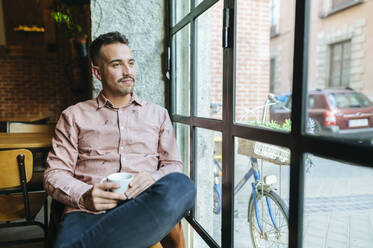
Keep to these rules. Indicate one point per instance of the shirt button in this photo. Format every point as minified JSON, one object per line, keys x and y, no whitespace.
{"x":121,"y":127}
{"x":121,"y":147}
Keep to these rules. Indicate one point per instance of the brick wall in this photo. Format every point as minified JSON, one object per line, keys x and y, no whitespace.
{"x":252,"y":57}
{"x":216,"y":63}
{"x":33,"y":86}
{"x":41,"y":76}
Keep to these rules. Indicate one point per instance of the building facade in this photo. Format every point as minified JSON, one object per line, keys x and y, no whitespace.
{"x":340,"y":45}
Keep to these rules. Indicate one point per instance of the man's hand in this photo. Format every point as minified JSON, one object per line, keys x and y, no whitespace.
{"x":139,"y":184}
{"x":97,"y":199}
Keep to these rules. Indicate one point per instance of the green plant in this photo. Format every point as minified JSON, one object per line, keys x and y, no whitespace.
{"x":72,"y":29}
{"x":70,"y":19}
{"x":286,"y":126}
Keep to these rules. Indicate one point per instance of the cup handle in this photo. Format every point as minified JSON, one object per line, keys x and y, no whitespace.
{"x":103,"y":180}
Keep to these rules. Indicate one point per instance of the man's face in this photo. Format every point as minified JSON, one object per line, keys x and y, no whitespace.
{"x":116,"y":70}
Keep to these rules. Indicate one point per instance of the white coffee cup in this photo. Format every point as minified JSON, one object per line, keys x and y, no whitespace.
{"x":121,"y":178}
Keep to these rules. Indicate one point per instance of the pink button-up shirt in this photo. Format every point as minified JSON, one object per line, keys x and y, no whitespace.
{"x":93,"y":139}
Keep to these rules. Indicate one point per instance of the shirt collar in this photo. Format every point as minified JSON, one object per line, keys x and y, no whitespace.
{"x":102,"y":100}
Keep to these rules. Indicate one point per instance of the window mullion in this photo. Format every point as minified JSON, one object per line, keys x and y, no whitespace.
{"x":193,"y":98}
{"x":228,"y":115}
{"x":298,"y":118}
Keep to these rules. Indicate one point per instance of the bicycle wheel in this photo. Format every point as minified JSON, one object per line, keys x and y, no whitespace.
{"x":272,"y":235}
{"x":217,"y":200}
{"x":313,"y":126}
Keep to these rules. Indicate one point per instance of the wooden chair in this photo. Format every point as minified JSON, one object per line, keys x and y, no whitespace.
{"x":19,"y":127}
{"x":16,"y":202}
{"x":40,"y":157}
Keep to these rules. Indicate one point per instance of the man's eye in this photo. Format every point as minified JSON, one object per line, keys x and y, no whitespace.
{"x":116,"y":65}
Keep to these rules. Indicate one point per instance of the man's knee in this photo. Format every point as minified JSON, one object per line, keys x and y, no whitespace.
{"x":180,"y":189}
{"x":181,"y":184}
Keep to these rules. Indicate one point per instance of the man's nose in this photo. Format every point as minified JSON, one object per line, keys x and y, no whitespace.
{"x":125,"y":70}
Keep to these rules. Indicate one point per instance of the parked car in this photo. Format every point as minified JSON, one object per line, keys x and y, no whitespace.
{"x":339,"y":112}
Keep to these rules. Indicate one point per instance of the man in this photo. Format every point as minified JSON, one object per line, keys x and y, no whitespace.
{"x":116,"y":132}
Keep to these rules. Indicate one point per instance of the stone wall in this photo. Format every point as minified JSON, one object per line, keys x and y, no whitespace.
{"x":143,"y":22}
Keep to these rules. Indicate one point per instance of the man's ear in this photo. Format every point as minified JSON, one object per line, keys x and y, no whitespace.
{"x":96,"y":72}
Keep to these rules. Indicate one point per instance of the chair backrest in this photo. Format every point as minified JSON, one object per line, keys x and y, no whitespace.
{"x":9,"y":170}
{"x":16,"y":203}
{"x":17,"y":127}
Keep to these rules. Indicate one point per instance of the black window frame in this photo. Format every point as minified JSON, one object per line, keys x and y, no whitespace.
{"x":298,"y":141}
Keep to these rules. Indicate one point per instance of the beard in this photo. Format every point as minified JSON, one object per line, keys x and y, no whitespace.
{"x":127,"y":89}
{"x":119,"y":88}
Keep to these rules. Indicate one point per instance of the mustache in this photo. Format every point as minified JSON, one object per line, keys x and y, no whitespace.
{"x":126,"y":78}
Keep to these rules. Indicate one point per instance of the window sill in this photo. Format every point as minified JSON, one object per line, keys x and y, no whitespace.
{"x":274,"y":34}
{"x":341,"y":8}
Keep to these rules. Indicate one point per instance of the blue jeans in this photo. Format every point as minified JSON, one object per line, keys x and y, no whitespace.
{"x":140,"y":222}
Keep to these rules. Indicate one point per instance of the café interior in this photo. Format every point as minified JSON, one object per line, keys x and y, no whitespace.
{"x":45,"y":68}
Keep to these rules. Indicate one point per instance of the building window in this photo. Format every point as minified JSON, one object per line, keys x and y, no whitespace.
{"x":272,"y":76}
{"x":274,"y":8}
{"x":331,"y":7}
{"x":340,"y":55}
{"x":340,"y":3}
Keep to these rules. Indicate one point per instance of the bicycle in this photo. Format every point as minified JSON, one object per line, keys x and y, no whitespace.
{"x":268,"y":214}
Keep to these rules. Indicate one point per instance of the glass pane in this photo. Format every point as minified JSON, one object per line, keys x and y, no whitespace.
{"x":346,"y":63}
{"x":192,"y":238}
{"x":208,"y":181}
{"x":181,"y":9}
{"x":272,"y":184}
{"x":198,"y":2}
{"x":339,"y":74}
{"x":183,"y":141}
{"x":336,"y":62}
{"x":340,"y":3}
{"x":210,"y":62}
{"x":198,"y":242}
{"x":338,"y":205}
{"x":188,"y":232}
{"x":264,"y":59}
{"x":181,"y":75}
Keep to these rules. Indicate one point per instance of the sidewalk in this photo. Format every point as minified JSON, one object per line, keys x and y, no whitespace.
{"x":338,"y":207}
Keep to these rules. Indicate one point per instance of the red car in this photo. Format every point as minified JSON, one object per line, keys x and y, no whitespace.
{"x":339,"y":112}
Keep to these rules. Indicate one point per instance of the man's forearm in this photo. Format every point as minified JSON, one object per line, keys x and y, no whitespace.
{"x":65,"y":188}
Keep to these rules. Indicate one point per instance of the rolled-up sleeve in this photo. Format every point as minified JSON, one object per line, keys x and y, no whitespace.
{"x":59,"y":181}
{"x":169,"y":155}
